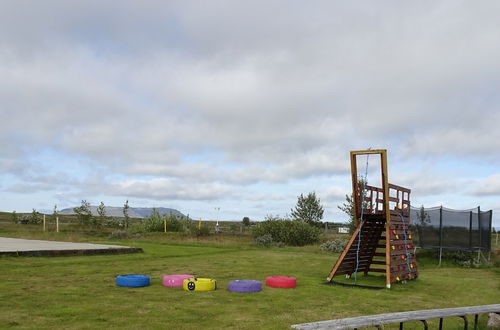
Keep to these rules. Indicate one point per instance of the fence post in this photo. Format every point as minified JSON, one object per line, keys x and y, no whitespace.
{"x":165,"y":225}
{"x":479,"y":227}
{"x":470,"y":231}
{"x":44,"y":222}
{"x":57,"y":224}
{"x":440,"y":234}
{"x":490,"y":225}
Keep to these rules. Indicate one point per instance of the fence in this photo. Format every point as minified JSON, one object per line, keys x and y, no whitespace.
{"x":443,"y":228}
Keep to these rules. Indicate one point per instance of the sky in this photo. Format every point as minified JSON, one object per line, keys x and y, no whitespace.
{"x":227,"y":109}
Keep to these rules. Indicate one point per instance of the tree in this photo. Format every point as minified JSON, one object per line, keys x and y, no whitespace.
{"x":101,"y":210}
{"x":308,"y":209}
{"x":84,"y":213}
{"x":125,"y":213}
{"x":55,"y":213}
{"x":14,"y":217}
{"x":423,"y":216}
{"x":246,"y":221}
{"x":348,"y":208}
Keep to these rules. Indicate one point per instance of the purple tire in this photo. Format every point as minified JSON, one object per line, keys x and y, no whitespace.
{"x":173,"y":281}
{"x":245,"y":286}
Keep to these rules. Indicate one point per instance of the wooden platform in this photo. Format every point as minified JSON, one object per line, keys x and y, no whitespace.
{"x":34,"y":248}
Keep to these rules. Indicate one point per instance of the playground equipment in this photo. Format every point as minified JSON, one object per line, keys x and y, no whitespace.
{"x":383,"y":236}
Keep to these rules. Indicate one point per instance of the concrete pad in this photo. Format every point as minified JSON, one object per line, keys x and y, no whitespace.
{"x":30,"y":247}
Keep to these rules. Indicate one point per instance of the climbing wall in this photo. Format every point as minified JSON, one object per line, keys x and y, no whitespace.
{"x":403,"y":264}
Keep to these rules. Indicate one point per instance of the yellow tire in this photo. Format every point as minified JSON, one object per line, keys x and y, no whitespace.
{"x":199,"y":284}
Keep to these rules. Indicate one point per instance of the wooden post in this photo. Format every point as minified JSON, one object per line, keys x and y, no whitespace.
{"x":165,"y":225}
{"x":57,"y":224}
{"x":387,"y":211}
{"x":44,"y":222}
{"x":199,"y":224}
{"x":354,"y":177}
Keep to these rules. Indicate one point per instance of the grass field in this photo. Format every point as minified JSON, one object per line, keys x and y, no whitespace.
{"x":80,"y":292}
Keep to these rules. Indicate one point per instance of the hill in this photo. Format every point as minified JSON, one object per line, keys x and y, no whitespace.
{"x":133,"y":212}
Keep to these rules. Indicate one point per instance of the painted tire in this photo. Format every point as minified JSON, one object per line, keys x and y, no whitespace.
{"x":133,"y":281}
{"x":199,"y":284}
{"x":245,"y":286}
{"x":173,"y":281}
{"x":283,"y":282}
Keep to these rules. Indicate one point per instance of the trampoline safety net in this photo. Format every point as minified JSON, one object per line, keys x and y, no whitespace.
{"x":440,"y":227}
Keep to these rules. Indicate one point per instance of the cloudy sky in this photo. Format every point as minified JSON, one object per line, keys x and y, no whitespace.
{"x":244,"y":105}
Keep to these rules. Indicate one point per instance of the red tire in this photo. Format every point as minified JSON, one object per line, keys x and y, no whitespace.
{"x":283,"y":282}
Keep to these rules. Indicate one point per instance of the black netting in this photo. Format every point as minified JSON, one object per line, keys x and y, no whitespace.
{"x":475,"y":237}
{"x":452,"y":229}
{"x":485,"y":229}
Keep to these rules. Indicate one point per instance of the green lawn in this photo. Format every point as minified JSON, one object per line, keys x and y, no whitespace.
{"x":80,"y":292}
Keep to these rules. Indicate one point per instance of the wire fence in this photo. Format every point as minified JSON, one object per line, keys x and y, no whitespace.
{"x":444,"y":228}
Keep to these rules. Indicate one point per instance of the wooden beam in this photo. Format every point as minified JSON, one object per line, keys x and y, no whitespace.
{"x":354,"y":178}
{"x":391,"y":318}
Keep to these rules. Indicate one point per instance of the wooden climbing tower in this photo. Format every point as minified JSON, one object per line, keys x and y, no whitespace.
{"x":382,"y":241}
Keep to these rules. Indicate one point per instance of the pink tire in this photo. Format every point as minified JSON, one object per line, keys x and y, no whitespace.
{"x":173,"y":281}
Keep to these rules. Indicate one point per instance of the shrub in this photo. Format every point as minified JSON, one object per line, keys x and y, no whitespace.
{"x":265,"y":240}
{"x":154,"y":222}
{"x":337,"y":245}
{"x":24,"y":219}
{"x":174,"y":224}
{"x":466,"y":259}
{"x":289,"y":232}
{"x":114,"y":223}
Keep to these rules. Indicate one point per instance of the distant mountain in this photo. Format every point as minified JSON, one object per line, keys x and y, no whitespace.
{"x":133,"y":212}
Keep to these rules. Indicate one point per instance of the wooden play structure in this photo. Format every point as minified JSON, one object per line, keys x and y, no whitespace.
{"x":382,"y":241}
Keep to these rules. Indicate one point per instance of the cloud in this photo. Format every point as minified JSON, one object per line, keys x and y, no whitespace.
{"x":489,"y":186}
{"x":160,"y":189}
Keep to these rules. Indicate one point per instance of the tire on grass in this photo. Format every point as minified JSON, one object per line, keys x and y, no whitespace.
{"x":199,"y":284}
{"x":173,"y":281}
{"x":245,"y":286}
{"x":282,"y":282}
{"x":133,"y":280}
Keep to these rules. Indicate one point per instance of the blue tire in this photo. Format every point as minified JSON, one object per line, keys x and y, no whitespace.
{"x":133,"y":281}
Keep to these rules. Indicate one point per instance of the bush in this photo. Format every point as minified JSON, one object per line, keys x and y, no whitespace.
{"x":191,"y":228}
{"x":175,"y":224}
{"x":337,"y":245}
{"x":466,"y":259}
{"x":113,"y":223}
{"x":289,"y":232}
{"x":264,"y":240}
{"x":24,"y":219}
{"x":154,"y":222}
